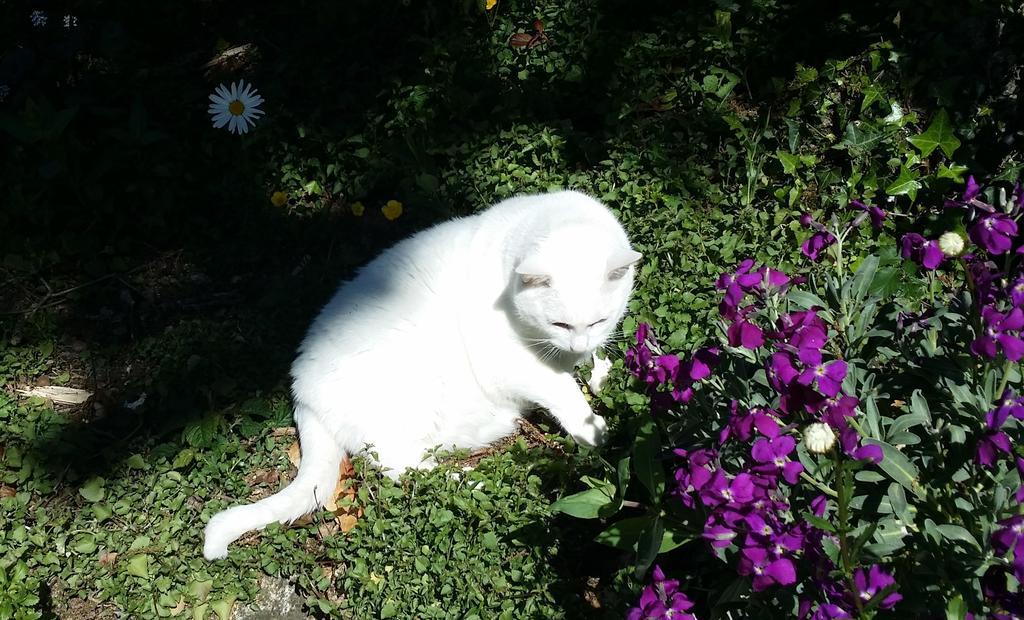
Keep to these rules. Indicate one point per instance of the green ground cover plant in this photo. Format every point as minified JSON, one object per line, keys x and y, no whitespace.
{"x":168,"y":268}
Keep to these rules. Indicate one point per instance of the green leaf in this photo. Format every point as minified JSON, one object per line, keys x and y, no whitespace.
{"x":954,"y":172}
{"x":939,"y":134}
{"x":789,"y":161}
{"x":223,"y":607}
{"x":898,"y":501}
{"x":648,"y":545}
{"x":624,"y":534}
{"x":93,"y":490}
{"x":84,"y":544}
{"x":645,"y":463}
{"x":102,"y":511}
{"x":588,"y":504}
{"x":957,"y":533}
{"x":906,"y":183}
{"x":956,"y":609}
{"x":490,"y":540}
{"x":871,"y":94}
{"x":819,"y":523}
{"x":622,"y":474}
{"x":865,"y":275}
{"x":139,"y":566}
{"x":388,"y":610}
{"x":898,"y":466}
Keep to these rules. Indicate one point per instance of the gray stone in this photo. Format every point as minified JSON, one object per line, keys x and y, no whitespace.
{"x":277,"y":600}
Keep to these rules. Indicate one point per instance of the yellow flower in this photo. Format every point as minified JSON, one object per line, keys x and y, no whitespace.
{"x":278,"y":199}
{"x":357,"y":209}
{"x":392,"y":210}
{"x":491,"y":4}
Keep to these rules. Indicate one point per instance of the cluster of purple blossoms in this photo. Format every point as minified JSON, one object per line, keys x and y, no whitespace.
{"x":747,"y":509}
{"x":646,"y":362}
{"x":662,"y":600}
{"x":871,"y":583}
{"x":994,"y":440}
{"x":798,"y":369}
{"x":821,"y":239}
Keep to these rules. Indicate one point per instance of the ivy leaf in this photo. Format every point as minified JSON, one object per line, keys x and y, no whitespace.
{"x":93,"y":490}
{"x":939,"y":134}
{"x":139,"y":566}
{"x":790,"y":162}
{"x":906,"y":183}
{"x":954,"y":172}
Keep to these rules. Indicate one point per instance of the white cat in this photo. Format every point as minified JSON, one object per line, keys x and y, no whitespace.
{"x":444,"y":339}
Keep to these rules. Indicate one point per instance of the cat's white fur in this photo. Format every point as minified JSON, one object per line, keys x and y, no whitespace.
{"x":444,"y":339}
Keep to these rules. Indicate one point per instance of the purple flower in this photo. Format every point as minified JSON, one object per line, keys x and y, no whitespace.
{"x":662,"y":600}
{"x":742,"y":425}
{"x":828,"y":611}
{"x":1010,"y":535}
{"x":1002,"y":331}
{"x":719,"y":535}
{"x":994,"y":440}
{"x":876,"y":214}
{"x":968,"y":200}
{"x":874,"y":582}
{"x":827,"y":377}
{"x":746,"y":334}
{"x":723,"y":490}
{"x":695,"y":473}
{"x":700,"y":365}
{"x":1016,"y":291}
{"x":766,"y":571}
{"x":922,"y":251}
{"x":746,"y":280}
{"x":994,"y":232}
{"x":816,"y":243}
{"x":984,"y":278}
{"x":772,"y":456}
{"x":781,"y":371}
{"x":971,"y":190}
{"x":849,"y":441}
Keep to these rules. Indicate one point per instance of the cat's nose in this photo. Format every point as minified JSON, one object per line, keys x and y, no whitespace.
{"x":578,"y":343}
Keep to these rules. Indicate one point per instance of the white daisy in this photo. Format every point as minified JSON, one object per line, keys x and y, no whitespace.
{"x":237,"y":108}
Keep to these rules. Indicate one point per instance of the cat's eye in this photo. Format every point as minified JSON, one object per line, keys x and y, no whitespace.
{"x":564,"y":326}
{"x":597,"y":322}
{"x":532,"y":281}
{"x":616,"y":274}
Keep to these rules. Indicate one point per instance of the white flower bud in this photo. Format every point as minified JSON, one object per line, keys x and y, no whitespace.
{"x":819,"y":438}
{"x":951,"y":244}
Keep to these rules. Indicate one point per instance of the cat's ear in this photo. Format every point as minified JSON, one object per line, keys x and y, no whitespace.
{"x":620,"y":262}
{"x":532,"y":273}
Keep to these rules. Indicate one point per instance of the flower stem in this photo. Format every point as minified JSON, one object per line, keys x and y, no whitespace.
{"x":843,"y":501}
{"x":1006,"y":378}
{"x":824,"y":488}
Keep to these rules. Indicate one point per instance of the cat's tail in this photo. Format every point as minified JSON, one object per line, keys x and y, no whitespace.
{"x":314,"y":485}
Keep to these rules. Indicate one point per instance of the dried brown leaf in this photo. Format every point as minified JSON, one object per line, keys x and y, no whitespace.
{"x":346,"y":522}
{"x":180,"y":607}
{"x":295,"y":454}
{"x":108,"y":558}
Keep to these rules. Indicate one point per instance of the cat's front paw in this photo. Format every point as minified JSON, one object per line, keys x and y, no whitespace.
{"x":599,"y":375}
{"x":592,"y":432}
